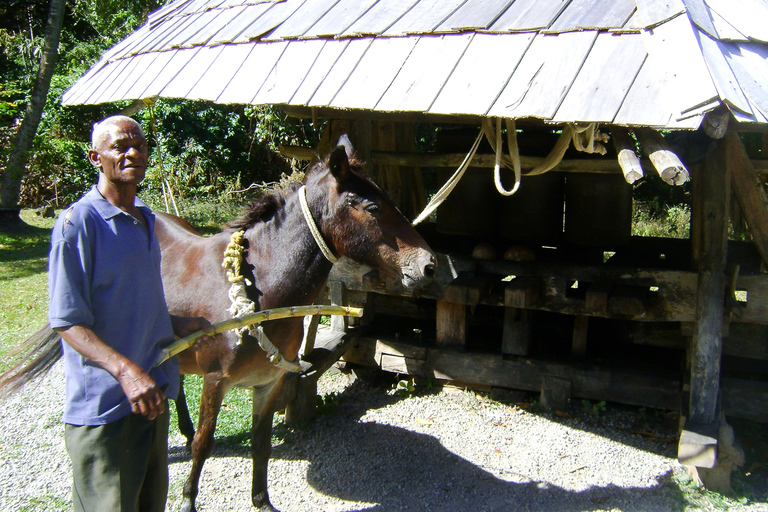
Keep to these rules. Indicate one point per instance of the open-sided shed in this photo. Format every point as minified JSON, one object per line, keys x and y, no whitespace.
{"x":595,"y":71}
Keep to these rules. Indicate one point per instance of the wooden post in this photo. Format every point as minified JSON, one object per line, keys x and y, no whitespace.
{"x":707,"y":341}
{"x":579,"y":341}
{"x":338,"y":297}
{"x":750,"y":192}
{"x":451,"y":324}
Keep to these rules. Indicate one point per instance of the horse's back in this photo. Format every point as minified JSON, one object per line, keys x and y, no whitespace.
{"x":168,"y":227}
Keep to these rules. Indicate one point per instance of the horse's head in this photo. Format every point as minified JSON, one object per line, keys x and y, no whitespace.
{"x":360,"y":222}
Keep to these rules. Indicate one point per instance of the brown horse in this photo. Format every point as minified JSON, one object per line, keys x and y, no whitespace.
{"x":284,"y":266}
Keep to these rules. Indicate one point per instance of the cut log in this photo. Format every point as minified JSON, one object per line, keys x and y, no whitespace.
{"x":628,"y":159}
{"x":667,"y":163}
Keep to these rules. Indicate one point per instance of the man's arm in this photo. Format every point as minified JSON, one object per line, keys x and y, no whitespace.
{"x":142,"y":391}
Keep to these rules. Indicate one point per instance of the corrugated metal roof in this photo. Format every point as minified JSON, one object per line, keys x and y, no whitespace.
{"x":661,"y":63}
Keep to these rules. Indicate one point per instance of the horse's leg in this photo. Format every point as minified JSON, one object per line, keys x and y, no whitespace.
{"x":202,"y":445}
{"x":261,"y":442}
{"x":182,"y":411}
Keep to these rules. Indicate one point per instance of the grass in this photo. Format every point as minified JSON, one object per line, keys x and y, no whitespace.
{"x":24,"y":282}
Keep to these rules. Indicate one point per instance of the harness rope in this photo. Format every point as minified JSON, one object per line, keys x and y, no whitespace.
{"x":585,"y":138}
{"x":242,"y":305}
{"x":316,"y":234}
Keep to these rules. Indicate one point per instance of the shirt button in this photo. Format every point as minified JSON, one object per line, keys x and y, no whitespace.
{"x":135,"y":222}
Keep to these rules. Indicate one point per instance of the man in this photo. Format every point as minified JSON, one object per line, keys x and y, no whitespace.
{"x":107,"y":302}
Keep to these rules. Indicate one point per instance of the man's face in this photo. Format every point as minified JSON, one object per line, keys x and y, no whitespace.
{"x":122,"y":155}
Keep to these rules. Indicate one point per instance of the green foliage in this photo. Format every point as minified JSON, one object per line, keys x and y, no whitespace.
{"x":670,"y":222}
{"x":596,"y":409}
{"x":405,"y":388}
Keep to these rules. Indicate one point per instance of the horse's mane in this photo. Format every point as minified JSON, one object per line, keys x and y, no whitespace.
{"x":263,"y":208}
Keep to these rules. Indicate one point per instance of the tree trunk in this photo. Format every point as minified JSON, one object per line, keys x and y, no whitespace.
{"x":22,"y":144}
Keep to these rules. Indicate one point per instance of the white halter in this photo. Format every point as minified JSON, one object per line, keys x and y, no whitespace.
{"x":316,"y":234}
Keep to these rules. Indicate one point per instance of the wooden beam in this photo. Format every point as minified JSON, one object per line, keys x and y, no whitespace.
{"x":749,"y":191}
{"x":410,"y":159}
{"x":707,"y":345}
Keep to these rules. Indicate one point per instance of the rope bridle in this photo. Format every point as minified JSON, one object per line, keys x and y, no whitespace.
{"x":316,"y":234}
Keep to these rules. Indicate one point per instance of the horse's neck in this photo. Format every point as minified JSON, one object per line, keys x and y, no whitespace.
{"x":289,"y":263}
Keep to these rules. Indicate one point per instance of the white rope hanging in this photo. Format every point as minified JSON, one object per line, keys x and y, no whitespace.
{"x":585,"y":138}
{"x":446,"y":189}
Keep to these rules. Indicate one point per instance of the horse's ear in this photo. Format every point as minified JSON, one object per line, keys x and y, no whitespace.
{"x":338,"y":163}
{"x":344,"y":141}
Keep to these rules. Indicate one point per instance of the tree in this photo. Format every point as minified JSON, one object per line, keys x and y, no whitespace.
{"x":22,"y":144}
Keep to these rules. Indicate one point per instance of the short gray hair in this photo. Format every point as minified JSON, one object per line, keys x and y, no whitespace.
{"x":100,"y":128}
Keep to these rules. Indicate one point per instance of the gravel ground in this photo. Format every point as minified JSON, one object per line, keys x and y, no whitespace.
{"x":444,"y":452}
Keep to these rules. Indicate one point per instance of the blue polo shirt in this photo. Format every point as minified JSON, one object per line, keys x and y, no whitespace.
{"x":104,"y":272}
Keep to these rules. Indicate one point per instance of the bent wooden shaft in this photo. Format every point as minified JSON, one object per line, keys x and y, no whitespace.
{"x":252,"y":319}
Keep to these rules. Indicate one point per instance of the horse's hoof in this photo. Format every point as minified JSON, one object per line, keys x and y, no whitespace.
{"x":187,"y":506}
{"x":262,"y":504}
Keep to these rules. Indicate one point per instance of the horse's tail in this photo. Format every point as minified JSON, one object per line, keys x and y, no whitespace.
{"x":40,"y":352}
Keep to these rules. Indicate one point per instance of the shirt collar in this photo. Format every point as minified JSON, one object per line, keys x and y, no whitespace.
{"x":107,"y":210}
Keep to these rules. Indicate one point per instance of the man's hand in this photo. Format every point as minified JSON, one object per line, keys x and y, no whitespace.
{"x":142,"y":392}
{"x":140,"y":389}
